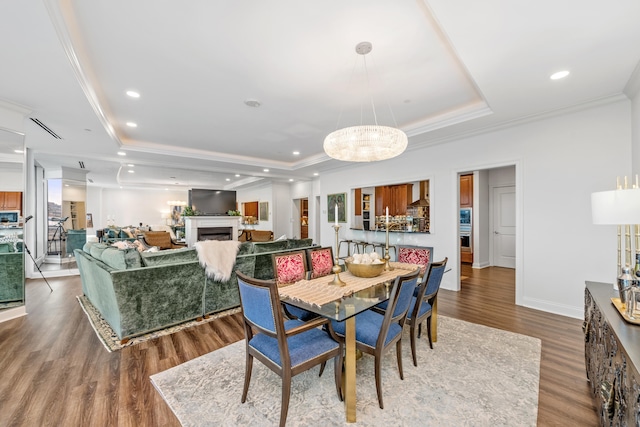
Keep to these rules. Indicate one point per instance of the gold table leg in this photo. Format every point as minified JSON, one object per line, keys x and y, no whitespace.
{"x":350,"y":369}
{"x":434,"y":321}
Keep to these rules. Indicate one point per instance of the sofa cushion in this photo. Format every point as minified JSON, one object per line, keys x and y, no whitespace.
{"x":262,"y":247}
{"x":245,"y":248}
{"x":5,"y":248}
{"x":171,"y":256}
{"x":299,"y":243}
{"x":121,"y":259}
{"x":96,"y":250}
{"x":87,"y":247}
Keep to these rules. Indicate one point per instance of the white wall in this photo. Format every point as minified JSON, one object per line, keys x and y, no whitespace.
{"x":11,"y":176}
{"x":481,"y":232}
{"x":258,"y":193}
{"x":131,"y":206}
{"x":559,"y":162}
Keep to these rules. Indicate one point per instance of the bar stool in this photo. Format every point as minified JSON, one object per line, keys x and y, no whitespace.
{"x":361,"y":244}
{"x":349,"y":243}
{"x":381,"y":246}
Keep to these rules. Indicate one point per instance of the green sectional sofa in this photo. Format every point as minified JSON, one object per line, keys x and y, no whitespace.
{"x":11,"y":272}
{"x":138,"y":292}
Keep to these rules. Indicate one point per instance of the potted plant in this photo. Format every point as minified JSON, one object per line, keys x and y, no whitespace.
{"x":188,"y":211}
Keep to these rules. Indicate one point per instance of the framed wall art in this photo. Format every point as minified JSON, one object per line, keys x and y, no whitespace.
{"x":340,"y":200}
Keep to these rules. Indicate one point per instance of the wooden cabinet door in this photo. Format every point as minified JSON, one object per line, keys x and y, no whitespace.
{"x":11,"y":201}
{"x":381,"y":200}
{"x":357,"y":203}
{"x":466,"y":191}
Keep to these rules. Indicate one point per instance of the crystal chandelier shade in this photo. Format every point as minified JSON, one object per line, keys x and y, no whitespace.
{"x":367,"y":143}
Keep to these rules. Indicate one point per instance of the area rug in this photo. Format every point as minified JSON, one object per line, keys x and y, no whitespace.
{"x":474,"y":376}
{"x":111,"y":341}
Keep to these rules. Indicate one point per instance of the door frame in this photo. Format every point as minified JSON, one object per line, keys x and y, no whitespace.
{"x":455,"y":209}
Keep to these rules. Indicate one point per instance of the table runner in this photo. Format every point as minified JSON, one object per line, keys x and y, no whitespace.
{"x":318,"y":291}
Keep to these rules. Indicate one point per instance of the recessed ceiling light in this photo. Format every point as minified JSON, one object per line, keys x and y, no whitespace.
{"x":166,"y":189}
{"x":237,"y":175}
{"x":290,"y":179}
{"x":252,"y":103}
{"x":66,"y":185}
{"x":131,"y":171}
{"x":131,"y":165}
{"x":559,"y":75}
{"x":316,"y":174}
{"x":133,"y":94}
{"x":18,"y":151}
{"x":121,"y":153}
{"x":227,"y":179}
{"x":296,"y":153}
{"x":265,"y":170}
{"x":132,"y":125}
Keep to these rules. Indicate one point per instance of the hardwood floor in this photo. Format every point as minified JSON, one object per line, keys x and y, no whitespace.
{"x":55,"y":372}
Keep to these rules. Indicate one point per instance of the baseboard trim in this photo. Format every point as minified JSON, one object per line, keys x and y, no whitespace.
{"x":12,"y":313}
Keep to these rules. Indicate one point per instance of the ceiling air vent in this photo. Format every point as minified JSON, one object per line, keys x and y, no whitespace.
{"x":45,"y":127}
{"x":90,"y":180}
{"x":81,"y":163}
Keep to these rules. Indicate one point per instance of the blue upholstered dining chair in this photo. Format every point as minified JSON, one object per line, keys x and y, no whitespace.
{"x":377,"y":331}
{"x":286,"y":347}
{"x":289,"y":267}
{"x":421,"y":307}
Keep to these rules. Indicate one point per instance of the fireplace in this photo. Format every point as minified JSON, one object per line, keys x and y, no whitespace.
{"x":215,"y":233}
{"x":210,"y":228}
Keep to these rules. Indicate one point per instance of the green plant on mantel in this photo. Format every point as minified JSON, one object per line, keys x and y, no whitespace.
{"x":188,"y":211}
{"x":233,"y":213}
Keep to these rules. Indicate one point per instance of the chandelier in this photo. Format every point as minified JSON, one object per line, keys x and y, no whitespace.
{"x":365,"y":143}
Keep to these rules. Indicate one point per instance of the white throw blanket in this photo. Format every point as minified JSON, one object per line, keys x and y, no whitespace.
{"x":217,"y":257}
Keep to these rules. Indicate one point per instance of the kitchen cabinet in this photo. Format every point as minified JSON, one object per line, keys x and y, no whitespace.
{"x":466,"y":191}
{"x":395,"y":197}
{"x":11,"y":201}
{"x":357,"y":205}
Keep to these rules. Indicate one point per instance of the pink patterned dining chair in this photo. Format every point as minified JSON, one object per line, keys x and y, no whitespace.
{"x":289,"y":267}
{"x":320,"y":261}
{"x":420,"y":255}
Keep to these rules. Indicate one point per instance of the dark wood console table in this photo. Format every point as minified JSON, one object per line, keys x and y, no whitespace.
{"x":612,"y":358}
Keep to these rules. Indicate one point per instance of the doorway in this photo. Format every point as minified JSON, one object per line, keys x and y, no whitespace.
{"x":494,"y":217}
{"x":304,"y":218}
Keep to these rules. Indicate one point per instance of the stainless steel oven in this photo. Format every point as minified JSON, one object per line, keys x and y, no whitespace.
{"x":466,"y":220}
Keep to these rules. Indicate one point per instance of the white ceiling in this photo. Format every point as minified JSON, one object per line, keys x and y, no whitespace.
{"x":438,"y":69}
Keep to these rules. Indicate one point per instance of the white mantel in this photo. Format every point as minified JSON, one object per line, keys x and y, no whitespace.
{"x":192,"y":223}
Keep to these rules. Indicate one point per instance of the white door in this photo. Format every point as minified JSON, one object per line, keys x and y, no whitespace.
{"x":504,"y":227}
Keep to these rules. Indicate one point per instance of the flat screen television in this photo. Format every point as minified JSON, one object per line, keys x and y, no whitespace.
{"x":212,"y":202}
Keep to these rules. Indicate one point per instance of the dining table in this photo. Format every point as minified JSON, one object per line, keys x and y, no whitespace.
{"x":342,"y":304}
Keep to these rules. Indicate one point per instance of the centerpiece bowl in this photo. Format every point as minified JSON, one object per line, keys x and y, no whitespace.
{"x":364,"y":270}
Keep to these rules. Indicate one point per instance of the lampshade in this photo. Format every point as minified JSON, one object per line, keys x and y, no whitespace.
{"x":365,"y":143}
{"x":618,"y":207}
